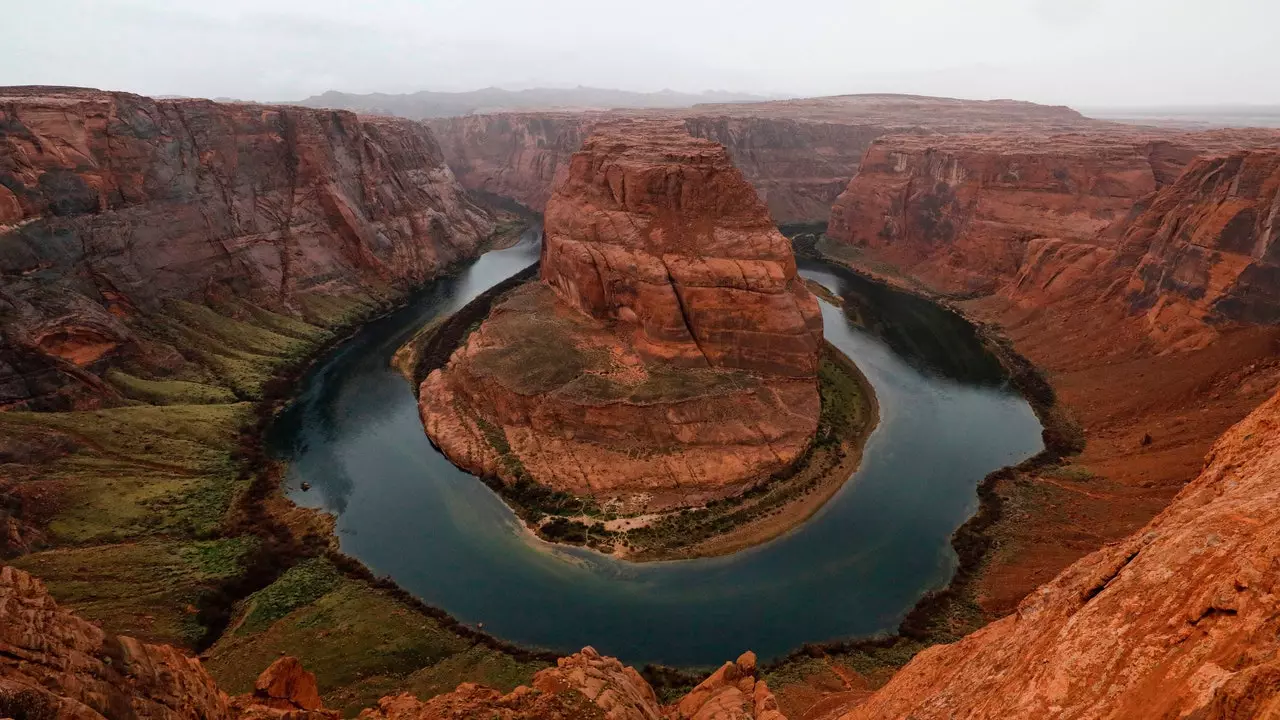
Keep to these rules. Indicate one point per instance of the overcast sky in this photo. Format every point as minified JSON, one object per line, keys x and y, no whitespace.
{"x":1079,"y":52}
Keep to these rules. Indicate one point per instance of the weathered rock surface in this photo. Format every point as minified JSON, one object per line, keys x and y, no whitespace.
{"x":1178,"y":620}
{"x":671,"y":349}
{"x":659,"y":233}
{"x":83,"y":673}
{"x":1210,"y":249}
{"x":86,"y":673}
{"x":964,"y":212}
{"x":799,"y":154}
{"x":112,"y":205}
{"x":587,"y":685}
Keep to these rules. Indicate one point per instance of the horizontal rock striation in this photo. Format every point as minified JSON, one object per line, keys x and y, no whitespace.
{"x":113,"y":205}
{"x":1209,"y":247}
{"x":670,"y":349}
{"x":798,"y":154}
{"x":971,"y":213}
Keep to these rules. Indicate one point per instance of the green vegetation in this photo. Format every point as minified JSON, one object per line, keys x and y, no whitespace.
{"x":155,"y":518}
{"x":149,"y":590}
{"x":168,"y":392}
{"x":300,"y":585}
{"x":362,"y":642}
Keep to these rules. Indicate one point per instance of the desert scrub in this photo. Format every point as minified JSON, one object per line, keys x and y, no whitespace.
{"x":300,"y":585}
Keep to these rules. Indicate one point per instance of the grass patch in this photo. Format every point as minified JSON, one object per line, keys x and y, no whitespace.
{"x":168,"y":392}
{"x":148,"y":590}
{"x":361,"y":643}
{"x":300,"y":585}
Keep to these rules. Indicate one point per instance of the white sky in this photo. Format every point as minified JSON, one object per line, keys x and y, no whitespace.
{"x":1079,"y":52}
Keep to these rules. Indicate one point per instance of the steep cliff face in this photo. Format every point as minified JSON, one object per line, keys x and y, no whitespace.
{"x":1178,"y":620}
{"x":798,"y":168}
{"x":971,"y":213}
{"x":670,"y":350}
{"x":1210,"y":248}
{"x":960,"y":211}
{"x":521,"y":156}
{"x":113,"y":205}
{"x":799,"y":154}
{"x":660,"y":233}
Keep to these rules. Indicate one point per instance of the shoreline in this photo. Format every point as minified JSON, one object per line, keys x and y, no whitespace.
{"x":431,"y":347}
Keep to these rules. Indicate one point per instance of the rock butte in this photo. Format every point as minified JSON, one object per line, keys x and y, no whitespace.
{"x":670,"y":348}
{"x":113,"y":206}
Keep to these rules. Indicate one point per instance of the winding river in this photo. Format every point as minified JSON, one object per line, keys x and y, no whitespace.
{"x":854,"y":569}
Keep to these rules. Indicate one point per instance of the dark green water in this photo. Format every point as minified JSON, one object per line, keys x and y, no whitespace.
{"x":853,"y":569}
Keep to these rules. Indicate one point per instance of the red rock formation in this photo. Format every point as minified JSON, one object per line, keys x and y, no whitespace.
{"x":659,"y":233}
{"x":587,"y":685}
{"x":960,"y":212}
{"x":113,"y":204}
{"x":799,"y":154}
{"x":86,"y":674}
{"x":1210,"y":249}
{"x":1178,"y":620}
{"x":670,"y":352}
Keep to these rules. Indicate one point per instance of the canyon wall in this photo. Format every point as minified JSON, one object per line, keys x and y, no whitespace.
{"x":1209,"y":248}
{"x":670,"y":350}
{"x":1177,"y":620}
{"x":972,"y":214}
{"x":113,"y":206}
{"x":798,"y":154}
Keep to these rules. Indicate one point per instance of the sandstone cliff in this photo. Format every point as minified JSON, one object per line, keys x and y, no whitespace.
{"x":670,"y":350}
{"x":799,"y":154}
{"x":113,"y":206}
{"x":972,"y":213}
{"x":1210,"y":248}
{"x":1178,"y":620}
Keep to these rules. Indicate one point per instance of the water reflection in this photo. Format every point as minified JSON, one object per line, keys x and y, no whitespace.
{"x":853,"y":569}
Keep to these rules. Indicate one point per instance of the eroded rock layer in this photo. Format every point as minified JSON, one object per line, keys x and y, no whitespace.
{"x":112,"y":205}
{"x":1178,"y":620}
{"x":1210,"y":248}
{"x":799,"y":154}
{"x":670,"y":349}
{"x":962,"y":212}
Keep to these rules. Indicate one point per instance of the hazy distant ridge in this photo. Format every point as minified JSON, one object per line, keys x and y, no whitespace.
{"x":427,"y":104}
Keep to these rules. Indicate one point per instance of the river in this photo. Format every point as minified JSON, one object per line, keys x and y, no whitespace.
{"x":853,"y":569}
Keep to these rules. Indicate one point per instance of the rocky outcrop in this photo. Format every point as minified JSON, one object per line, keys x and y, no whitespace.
{"x":1209,"y":248}
{"x":113,"y":205}
{"x":53,"y":664}
{"x":587,"y":685}
{"x":670,"y":350}
{"x":798,"y":154}
{"x":53,"y":659}
{"x":1178,"y":620}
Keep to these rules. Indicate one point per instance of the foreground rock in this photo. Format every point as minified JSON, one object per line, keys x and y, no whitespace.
{"x":1179,"y":620}
{"x":669,"y":354}
{"x":53,"y":662}
{"x":114,"y":206}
